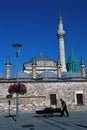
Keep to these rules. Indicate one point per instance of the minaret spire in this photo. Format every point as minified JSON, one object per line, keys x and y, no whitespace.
{"x":60,"y":34}
{"x":60,"y":22}
{"x":8,"y":67}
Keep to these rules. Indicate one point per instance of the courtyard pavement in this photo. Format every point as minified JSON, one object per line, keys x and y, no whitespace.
{"x":32,"y":121}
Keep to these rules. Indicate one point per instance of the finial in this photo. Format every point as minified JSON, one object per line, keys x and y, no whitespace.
{"x":60,"y":18}
{"x":41,"y":53}
{"x":58,"y":61}
{"x":81,"y":62}
{"x":8,"y":61}
{"x":34,"y":62}
{"x":60,"y":30}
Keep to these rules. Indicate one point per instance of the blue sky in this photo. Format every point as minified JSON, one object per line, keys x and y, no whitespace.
{"x":33,"y":23}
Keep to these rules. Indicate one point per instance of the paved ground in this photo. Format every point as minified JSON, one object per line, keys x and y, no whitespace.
{"x":32,"y":121}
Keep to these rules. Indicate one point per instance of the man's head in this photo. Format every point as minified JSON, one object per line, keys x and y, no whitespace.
{"x":60,"y":99}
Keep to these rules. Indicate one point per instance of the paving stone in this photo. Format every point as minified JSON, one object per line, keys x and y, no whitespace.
{"x":32,"y":121}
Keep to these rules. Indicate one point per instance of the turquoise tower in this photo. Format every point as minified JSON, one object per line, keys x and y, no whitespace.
{"x":72,"y":63}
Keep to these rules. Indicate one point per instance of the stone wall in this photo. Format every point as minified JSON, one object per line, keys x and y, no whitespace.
{"x":38,"y":95}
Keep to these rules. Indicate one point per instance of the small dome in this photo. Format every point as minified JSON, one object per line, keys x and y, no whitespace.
{"x":47,"y":74}
{"x":21,"y":75}
{"x":71,"y":74}
{"x":1,"y":76}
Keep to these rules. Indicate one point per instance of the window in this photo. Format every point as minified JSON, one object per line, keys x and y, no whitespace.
{"x":53,"y":100}
{"x":79,"y":99}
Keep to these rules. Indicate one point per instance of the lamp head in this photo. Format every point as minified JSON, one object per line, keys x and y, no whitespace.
{"x":16,"y":45}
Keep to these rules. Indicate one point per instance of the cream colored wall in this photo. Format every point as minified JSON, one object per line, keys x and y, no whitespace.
{"x":37,"y":95}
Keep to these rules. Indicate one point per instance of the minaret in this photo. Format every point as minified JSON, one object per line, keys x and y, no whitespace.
{"x":82,"y":65}
{"x":34,"y":69}
{"x":8,"y":67}
{"x":60,"y":34}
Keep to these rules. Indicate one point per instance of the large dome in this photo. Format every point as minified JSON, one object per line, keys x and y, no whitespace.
{"x":41,"y":58}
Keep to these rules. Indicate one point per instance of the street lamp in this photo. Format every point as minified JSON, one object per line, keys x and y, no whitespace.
{"x":9,"y":97}
{"x":17,"y":46}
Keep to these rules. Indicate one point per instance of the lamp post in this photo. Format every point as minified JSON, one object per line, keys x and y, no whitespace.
{"x":9,"y":97}
{"x":17,"y":46}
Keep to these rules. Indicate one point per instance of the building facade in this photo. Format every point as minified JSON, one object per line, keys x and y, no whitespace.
{"x":47,"y":81}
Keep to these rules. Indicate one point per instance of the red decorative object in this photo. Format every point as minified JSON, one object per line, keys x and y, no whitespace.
{"x":20,"y":88}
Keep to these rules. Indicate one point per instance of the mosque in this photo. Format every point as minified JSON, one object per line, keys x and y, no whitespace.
{"x":44,"y":66}
{"x":47,"y":80}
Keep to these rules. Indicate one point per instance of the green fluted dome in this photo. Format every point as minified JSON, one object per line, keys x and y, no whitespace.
{"x":72,"y":63}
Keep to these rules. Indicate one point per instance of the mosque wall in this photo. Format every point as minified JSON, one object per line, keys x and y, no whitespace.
{"x":39,"y":95}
